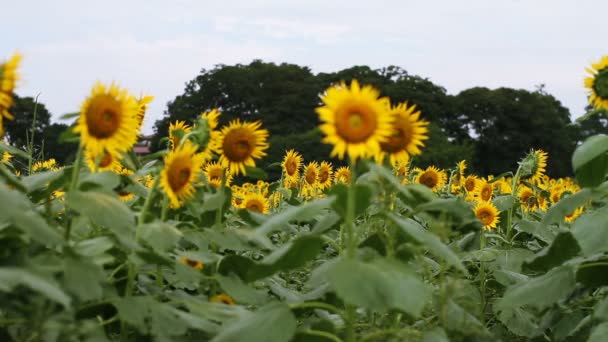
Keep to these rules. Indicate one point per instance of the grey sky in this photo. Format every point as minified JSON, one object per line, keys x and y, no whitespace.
{"x":156,"y":46}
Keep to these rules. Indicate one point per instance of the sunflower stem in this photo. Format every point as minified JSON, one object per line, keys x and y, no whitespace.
{"x":219,"y":212}
{"x":128,"y":290}
{"x":148,"y":202}
{"x":514,"y":182}
{"x":482,"y":275}
{"x":76,"y":168}
{"x":349,"y":226}
{"x":30,"y":143}
{"x":165,"y":209}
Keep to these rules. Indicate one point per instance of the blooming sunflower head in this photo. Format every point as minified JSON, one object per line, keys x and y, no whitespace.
{"x":528,"y":198}
{"x":432,"y":177}
{"x":470,"y":183}
{"x":214,"y":172}
{"x":254,"y":201}
{"x":182,"y":169}
{"x":311,"y":173}
{"x":108,"y":120}
{"x":222,"y":298}
{"x":325,"y":176}
{"x":6,"y":157}
{"x":291,"y":164}
{"x":597,"y":84}
{"x":47,"y":165}
{"x":484,"y":190}
{"x":8,"y":79}
{"x":239,"y":144}
{"x":408,"y":134}
{"x":103,"y":162}
{"x":177,"y":130}
{"x":355,"y":120}
{"x":487,"y":213}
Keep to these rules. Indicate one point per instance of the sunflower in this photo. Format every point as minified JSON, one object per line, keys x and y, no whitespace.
{"x":487,"y":213}
{"x":291,"y":164}
{"x":177,"y":130}
{"x":6,"y":157}
{"x":212,"y":118}
{"x":47,"y":165}
{"x":574,"y":214}
{"x":108,"y":120}
{"x":213,"y":172}
{"x":409,"y":132}
{"x":355,"y":120}
{"x":146,"y":180}
{"x":142,"y":106}
{"x":182,"y":169}
{"x":539,"y":162}
{"x":311,"y":173}
{"x":107,"y":162}
{"x":291,"y":183}
{"x":462,"y":166}
{"x":122,"y":192}
{"x":432,"y":177}
{"x":238,"y":144}
{"x":597,"y":84}
{"x":325,"y":175}
{"x":529,"y":199}
{"x":8,"y":78}
{"x":222,"y":298}
{"x":254,"y":201}
{"x":470,"y":183}
{"x":484,"y":190}
{"x":198,"y":265}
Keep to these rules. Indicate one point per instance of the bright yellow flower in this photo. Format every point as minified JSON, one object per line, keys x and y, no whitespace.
{"x":6,"y":157}
{"x":238,"y":144}
{"x":597,"y":84}
{"x":182,"y":169}
{"x":8,"y":79}
{"x":487,"y":213}
{"x":291,"y":164}
{"x":47,"y":165}
{"x":432,"y":177}
{"x":574,"y":215}
{"x":212,"y":117}
{"x":107,"y":162}
{"x":470,"y":183}
{"x":197,"y":265}
{"x":484,"y":190}
{"x":213,"y":172}
{"x":311,"y":173}
{"x":177,"y":130}
{"x":355,"y":120}
{"x":142,"y":106}
{"x":325,"y":176}
{"x":409,"y":132}
{"x":222,"y":298}
{"x":256,"y":202}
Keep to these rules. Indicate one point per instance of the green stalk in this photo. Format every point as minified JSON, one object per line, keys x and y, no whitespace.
{"x":349,"y":226}
{"x":219,"y":212}
{"x":148,"y":202}
{"x":30,"y":143}
{"x":165,"y":209}
{"x":128,"y":290}
{"x":73,"y":184}
{"x":482,"y":276}
{"x":514,"y":182}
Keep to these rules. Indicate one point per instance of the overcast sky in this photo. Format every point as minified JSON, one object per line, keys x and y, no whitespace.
{"x":153,"y":47}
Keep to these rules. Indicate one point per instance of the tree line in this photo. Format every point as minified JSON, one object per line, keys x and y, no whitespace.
{"x":490,"y":128}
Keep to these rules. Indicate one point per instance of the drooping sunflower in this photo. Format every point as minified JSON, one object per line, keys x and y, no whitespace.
{"x":177,"y":130}
{"x":108,"y":120}
{"x":291,"y":164}
{"x":311,"y":173}
{"x":107,"y":161}
{"x":182,"y":169}
{"x":196,"y":264}
{"x":432,"y":177}
{"x":256,"y":202}
{"x":238,"y":144}
{"x":484,"y":190}
{"x":487,"y":213}
{"x":355,"y":120}
{"x":408,"y":134}
{"x":212,"y":117}
{"x":8,"y":79}
{"x":597,"y":84}
{"x":462,"y":166}
{"x":214,"y":171}
{"x":325,"y":176}
{"x":222,"y":298}
{"x":47,"y":165}
{"x":142,"y":106}
{"x":539,"y":162}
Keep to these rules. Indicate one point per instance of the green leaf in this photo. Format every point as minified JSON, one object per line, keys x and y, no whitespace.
{"x":93,"y":247}
{"x":504,"y":203}
{"x":591,"y":231}
{"x":83,"y":278}
{"x":238,"y":290}
{"x":540,"y":292}
{"x":599,"y":333}
{"x":520,"y":322}
{"x":537,"y":229}
{"x":14,"y":151}
{"x":40,"y":180}
{"x":302,"y":212}
{"x":363,"y":196}
{"x":107,"y":180}
{"x":290,"y":256}
{"x":11,"y":277}
{"x":430,"y":240}
{"x":381,"y":285}
{"x":590,"y":161}
{"x":592,"y":274}
{"x":213,"y":201}
{"x":437,"y":334}
{"x":601,"y":309}
{"x":411,"y":194}
{"x":563,"y":248}
{"x":568,"y":204}
{"x":161,"y":236}
{"x":271,"y":323}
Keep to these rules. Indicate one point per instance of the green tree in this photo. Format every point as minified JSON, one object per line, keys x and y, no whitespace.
{"x":19,"y":130}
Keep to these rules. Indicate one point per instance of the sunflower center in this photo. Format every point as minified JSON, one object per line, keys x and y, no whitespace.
{"x":400,"y":138}
{"x":486,"y":193}
{"x":103,"y":117}
{"x":323,"y":176}
{"x":311,"y":176}
{"x":600,"y":84}
{"x":106,"y":160}
{"x":179,"y":175}
{"x":356,"y":124}
{"x":238,"y":144}
{"x":469,"y":184}
{"x":255,"y":206}
{"x":429,"y":179}
{"x":291,"y":167}
{"x":485,"y":217}
{"x":191,"y":263}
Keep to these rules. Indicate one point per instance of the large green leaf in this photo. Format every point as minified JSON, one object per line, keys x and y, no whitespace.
{"x":590,"y":161}
{"x":83,"y":278}
{"x":381,"y":285}
{"x":591,"y":231}
{"x":568,"y":204}
{"x":271,"y":323}
{"x":40,"y":180}
{"x":599,"y":333}
{"x":302,"y":212}
{"x":363,"y":195}
{"x":520,"y":322}
{"x":537,"y":229}
{"x":430,"y":240}
{"x":563,"y":248}
{"x":161,"y":236}
{"x":11,"y":277}
{"x":540,"y":292}
{"x":241,"y":292}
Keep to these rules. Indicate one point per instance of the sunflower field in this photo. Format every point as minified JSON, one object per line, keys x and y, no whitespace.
{"x":173,"y":246}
